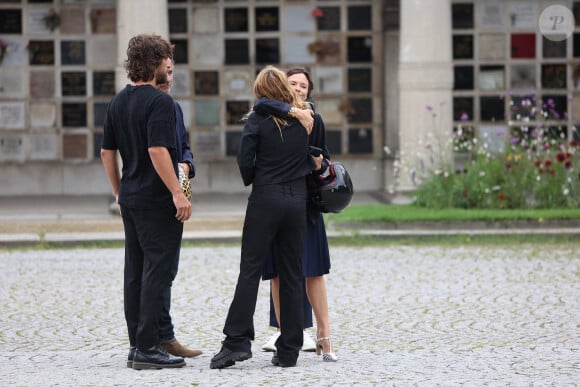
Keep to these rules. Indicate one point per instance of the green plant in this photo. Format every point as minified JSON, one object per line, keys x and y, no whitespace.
{"x":538,"y":168}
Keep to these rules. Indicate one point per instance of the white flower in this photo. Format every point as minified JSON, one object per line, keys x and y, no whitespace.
{"x":565,"y":191}
{"x":387,"y":150}
{"x":482,"y":174}
{"x":496,"y":188}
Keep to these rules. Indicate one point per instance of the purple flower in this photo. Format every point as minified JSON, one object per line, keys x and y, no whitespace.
{"x":429,"y":107}
{"x":464,"y":117}
{"x":514,"y":140}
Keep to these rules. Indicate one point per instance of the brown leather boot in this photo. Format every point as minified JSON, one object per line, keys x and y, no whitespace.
{"x":175,"y":348}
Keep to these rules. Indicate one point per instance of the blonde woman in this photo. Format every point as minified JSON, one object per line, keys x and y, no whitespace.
{"x":274,"y":158}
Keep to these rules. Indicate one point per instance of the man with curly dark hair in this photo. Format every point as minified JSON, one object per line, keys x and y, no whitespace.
{"x":140,"y":126}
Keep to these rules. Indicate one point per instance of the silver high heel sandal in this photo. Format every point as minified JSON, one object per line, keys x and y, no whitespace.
{"x":326,"y":356}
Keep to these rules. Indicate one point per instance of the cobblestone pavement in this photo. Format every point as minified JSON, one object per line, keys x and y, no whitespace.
{"x":400,"y":316}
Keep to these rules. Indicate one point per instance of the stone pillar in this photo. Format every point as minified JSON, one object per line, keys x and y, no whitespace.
{"x":136,"y":17}
{"x":425,"y":80}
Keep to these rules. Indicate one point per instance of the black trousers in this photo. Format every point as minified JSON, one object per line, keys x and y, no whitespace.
{"x":152,"y":241}
{"x":166,"y":332}
{"x":275,"y":215}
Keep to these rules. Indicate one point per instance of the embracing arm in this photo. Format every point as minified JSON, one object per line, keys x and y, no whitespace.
{"x":285,"y":110}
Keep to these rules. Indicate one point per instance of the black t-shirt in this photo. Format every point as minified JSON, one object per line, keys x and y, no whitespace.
{"x":268,"y":156}
{"x":137,"y":118}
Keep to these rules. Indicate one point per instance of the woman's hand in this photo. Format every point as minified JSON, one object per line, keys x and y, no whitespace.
{"x":305,"y":116}
{"x":318,"y":161}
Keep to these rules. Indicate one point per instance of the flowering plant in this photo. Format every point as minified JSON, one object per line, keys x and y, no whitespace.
{"x":539,"y":167}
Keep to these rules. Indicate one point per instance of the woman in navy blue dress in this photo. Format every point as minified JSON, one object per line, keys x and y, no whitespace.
{"x":316,"y":258}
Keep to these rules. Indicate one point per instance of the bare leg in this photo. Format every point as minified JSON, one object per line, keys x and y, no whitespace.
{"x":276,"y":298}
{"x":316,"y":289}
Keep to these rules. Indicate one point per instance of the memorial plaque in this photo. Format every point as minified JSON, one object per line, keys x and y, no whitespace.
{"x":186,"y":109}
{"x":491,"y":108}
{"x":524,"y":14}
{"x":554,"y":76}
{"x":298,"y":19}
{"x":205,"y":20}
{"x":267,"y":19}
{"x":12,"y":147}
{"x":74,"y":83}
{"x":233,"y":142}
{"x":99,"y":113}
{"x":41,"y":52}
{"x":36,"y":21}
{"x":207,"y":144}
{"x":13,"y":54}
{"x":334,"y":142}
{"x":462,"y":46}
{"x":181,"y":82}
{"x":43,"y":146}
{"x":491,"y":78}
{"x":295,"y":49}
{"x":207,"y":51}
{"x":104,"y":21}
{"x":360,"y":80}
{"x":10,"y":21}
{"x":491,"y":14}
{"x":462,"y":108}
{"x":180,"y":52}
{"x":104,"y":51}
{"x":206,"y":82}
{"x":329,"y":20}
{"x":104,"y":83}
{"x":72,"y":21}
{"x":491,"y":46}
{"x":207,"y":112}
{"x":462,"y":16}
{"x":12,"y":115}
{"x":236,"y":19}
{"x":74,"y":146}
{"x":360,"y":141}
{"x":330,"y":51}
{"x":523,"y":45}
{"x":12,"y":84}
{"x":463,"y":77}
{"x":360,"y":49}
{"x":328,"y":108}
{"x":360,"y":18}
{"x":553,"y":49}
{"x":237,"y":51}
{"x":329,"y":79}
{"x":556,"y":105}
{"x":267,"y":51}
{"x":74,"y":115}
{"x":42,"y":115}
{"x":523,"y":77}
{"x":72,"y":52}
{"x":42,"y":84}
{"x":177,"y":20}
{"x":235,"y":111}
{"x":238,"y":82}
{"x":363,"y":110}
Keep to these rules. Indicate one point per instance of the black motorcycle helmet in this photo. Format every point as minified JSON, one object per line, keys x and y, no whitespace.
{"x":332,"y":193}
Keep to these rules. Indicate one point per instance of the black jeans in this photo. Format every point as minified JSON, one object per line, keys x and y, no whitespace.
{"x":152,"y":241}
{"x":275,"y":216}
